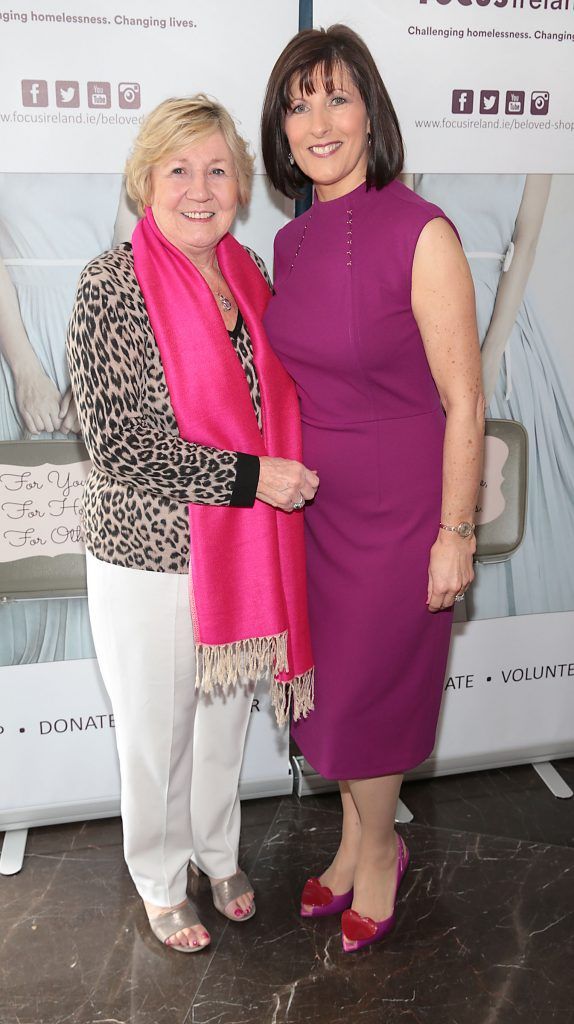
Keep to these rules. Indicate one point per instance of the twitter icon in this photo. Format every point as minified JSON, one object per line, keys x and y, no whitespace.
{"x":67,"y":94}
{"x":489,"y":99}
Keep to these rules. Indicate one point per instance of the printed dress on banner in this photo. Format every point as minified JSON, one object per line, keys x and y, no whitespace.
{"x":51,"y":225}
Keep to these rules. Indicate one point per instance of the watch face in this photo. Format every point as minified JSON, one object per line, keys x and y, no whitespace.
{"x":465,"y":529}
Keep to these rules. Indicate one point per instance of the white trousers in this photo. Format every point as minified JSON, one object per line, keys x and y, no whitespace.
{"x":180,"y":751}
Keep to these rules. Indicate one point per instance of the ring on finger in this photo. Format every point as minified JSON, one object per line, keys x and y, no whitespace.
{"x":297,"y":505}
{"x":459,"y":596}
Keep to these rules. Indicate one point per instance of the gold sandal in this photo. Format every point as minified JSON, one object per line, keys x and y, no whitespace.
{"x":165,"y":925}
{"x":231,"y":889}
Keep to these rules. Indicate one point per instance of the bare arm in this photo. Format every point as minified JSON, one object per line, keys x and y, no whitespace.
{"x":126,"y":218}
{"x":513,"y":282}
{"x":37,"y":397}
{"x":443,"y":305}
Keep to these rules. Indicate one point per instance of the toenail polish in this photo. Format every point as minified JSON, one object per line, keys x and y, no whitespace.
{"x":238,"y":912}
{"x":205,"y":935}
{"x":195,"y":942}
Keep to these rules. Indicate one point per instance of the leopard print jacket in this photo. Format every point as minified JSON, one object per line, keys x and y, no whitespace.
{"x":143,"y":473}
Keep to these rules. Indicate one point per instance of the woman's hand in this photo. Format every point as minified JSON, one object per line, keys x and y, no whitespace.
{"x":284,"y":483}
{"x":69,"y":422}
{"x":450,"y":569}
{"x":38,"y":401}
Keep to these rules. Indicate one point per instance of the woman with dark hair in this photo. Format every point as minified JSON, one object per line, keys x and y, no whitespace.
{"x":373,"y":316}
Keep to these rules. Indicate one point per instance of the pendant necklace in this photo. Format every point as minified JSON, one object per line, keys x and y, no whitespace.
{"x":225,"y":303}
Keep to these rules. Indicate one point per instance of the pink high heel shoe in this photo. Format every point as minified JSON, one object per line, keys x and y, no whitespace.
{"x":360,"y":931}
{"x":322,"y":901}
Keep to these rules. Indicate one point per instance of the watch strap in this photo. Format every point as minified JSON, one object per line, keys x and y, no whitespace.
{"x":467,"y":531}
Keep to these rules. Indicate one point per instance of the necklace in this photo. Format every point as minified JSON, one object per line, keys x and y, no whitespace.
{"x":225,"y":303}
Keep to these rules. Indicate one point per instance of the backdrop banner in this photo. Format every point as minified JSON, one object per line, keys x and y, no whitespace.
{"x":489,"y":125}
{"x":479,"y":85}
{"x":75,"y":84}
{"x":508,"y":694}
{"x":58,"y":715}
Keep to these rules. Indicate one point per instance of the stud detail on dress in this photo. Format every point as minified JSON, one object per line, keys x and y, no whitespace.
{"x":301,"y":240}
{"x":349,"y":237}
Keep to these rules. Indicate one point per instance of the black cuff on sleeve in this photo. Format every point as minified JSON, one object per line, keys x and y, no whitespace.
{"x":246,"y":481}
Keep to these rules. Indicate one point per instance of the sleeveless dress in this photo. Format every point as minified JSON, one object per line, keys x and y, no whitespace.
{"x":51,"y":225}
{"x":373,"y":427}
{"x":539,"y":577}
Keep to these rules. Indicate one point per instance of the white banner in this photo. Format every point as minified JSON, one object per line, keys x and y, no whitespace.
{"x":478,"y":85}
{"x":508,"y":695}
{"x":76,"y":80}
{"x":58,"y":716}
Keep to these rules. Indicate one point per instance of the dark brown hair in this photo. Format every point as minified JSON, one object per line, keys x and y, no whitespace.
{"x":324,"y":52}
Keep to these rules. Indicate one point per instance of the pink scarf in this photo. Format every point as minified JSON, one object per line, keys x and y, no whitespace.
{"x":247,"y":565}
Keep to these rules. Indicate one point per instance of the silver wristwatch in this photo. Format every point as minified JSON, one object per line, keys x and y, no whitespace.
{"x":463,"y":529}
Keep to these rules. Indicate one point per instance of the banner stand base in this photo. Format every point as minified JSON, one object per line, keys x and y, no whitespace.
{"x":402,"y":814}
{"x":13,"y":848}
{"x":308,"y":782}
{"x":551,"y":778}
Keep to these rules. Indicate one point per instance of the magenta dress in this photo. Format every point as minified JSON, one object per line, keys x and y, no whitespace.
{"x":373,"y":427}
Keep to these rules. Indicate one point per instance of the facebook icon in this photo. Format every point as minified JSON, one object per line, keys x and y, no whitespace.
{"x":462,"y":101}
{"x":34,"y":92}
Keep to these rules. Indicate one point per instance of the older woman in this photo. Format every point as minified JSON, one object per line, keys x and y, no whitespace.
{"x":196,"y":580}
{"x":374,"y":319}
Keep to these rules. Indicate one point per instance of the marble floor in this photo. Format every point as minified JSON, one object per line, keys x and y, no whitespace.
{"x":485,"y":930}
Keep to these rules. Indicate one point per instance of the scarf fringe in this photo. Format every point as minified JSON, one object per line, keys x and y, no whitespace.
{"x":298,"y":694}
{"x":221,"y":665}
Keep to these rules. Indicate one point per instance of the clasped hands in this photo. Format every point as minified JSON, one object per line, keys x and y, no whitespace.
{"x":42,"y":408}
{"x":285,"y":484}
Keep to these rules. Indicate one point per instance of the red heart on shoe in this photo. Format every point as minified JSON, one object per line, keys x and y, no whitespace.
{"x":316,"y":895}
{"x":356,"y":927}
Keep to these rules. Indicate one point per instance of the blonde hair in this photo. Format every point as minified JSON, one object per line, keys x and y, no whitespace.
{"x":177,"y":123}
